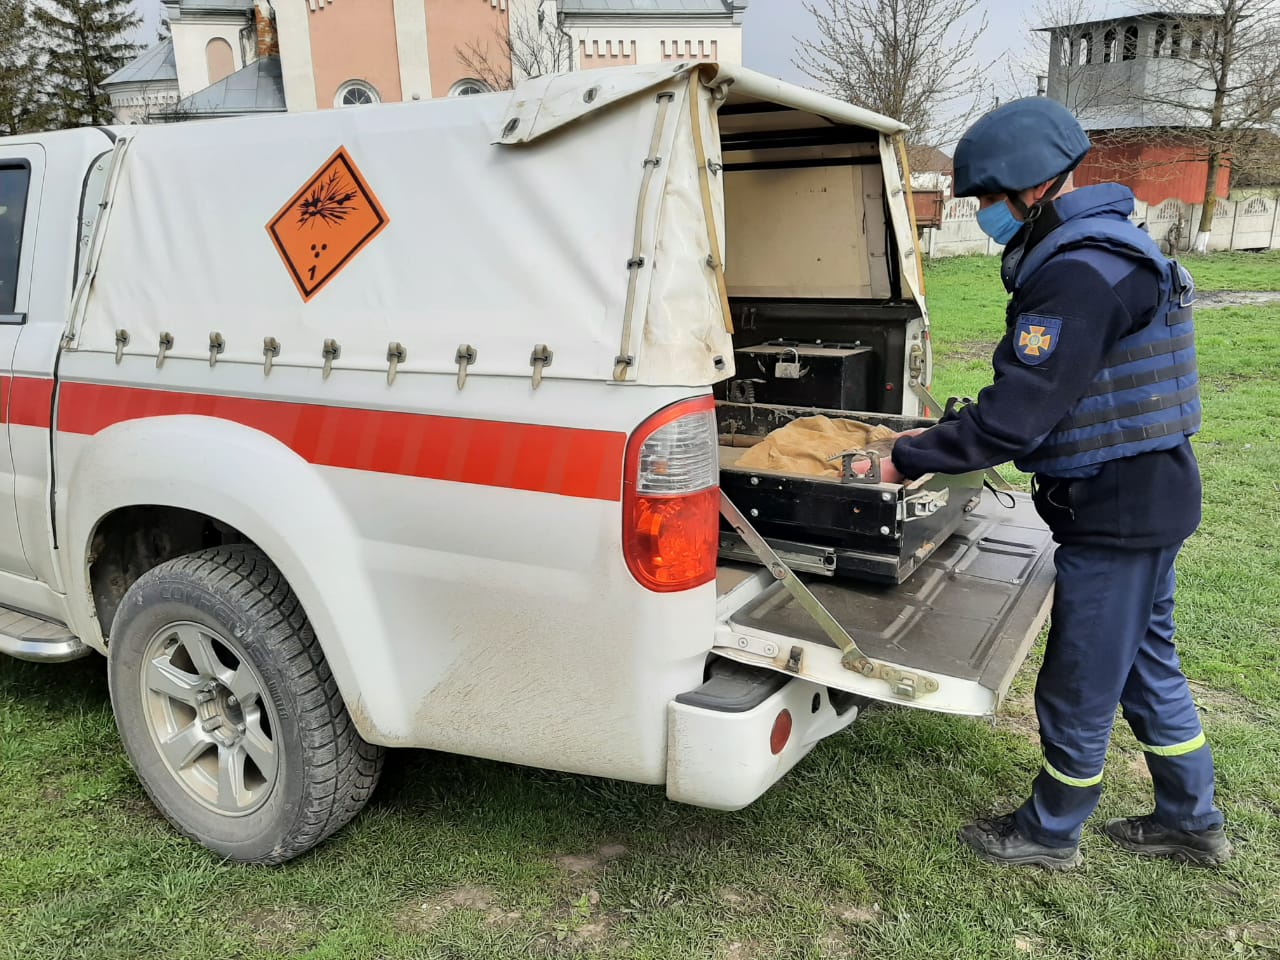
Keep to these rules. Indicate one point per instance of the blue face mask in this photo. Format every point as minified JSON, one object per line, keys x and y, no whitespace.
{"x":998,"y":222}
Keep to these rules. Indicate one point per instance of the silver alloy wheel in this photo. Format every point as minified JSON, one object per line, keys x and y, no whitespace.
{"x":209,"y":716}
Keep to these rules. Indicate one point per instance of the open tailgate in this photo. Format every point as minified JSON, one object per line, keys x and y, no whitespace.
{"x":949,"y":638}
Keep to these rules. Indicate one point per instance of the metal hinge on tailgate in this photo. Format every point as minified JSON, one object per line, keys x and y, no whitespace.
{"x":905,"y":684}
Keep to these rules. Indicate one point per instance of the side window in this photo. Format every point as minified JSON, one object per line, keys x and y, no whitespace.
{"x":13,"y":208}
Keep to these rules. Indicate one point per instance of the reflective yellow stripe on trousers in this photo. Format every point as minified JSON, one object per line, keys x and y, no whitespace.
{"x":1072,"y":781}
{"x":1177,"y":749}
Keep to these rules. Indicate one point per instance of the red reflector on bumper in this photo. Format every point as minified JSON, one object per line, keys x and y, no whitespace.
{"x":781,"y":732}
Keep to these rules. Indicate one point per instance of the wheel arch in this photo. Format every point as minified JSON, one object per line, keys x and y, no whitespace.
{"x":176,"y":482}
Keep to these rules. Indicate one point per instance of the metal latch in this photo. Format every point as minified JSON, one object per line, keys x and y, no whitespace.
{"x":332,"y":351}
{"x":270,"y":350}
{"x":788,"y":369}
{"x":217,"y":344}
{"x":122,"y":341}
{"x":464,"y":358}
{"x":166,"y":344}
{"x":915,"y":363}
{"x":540,"y":359}
{"x":905,"y":684}
{"x":923,"y":504}
{"x":396,"y":355}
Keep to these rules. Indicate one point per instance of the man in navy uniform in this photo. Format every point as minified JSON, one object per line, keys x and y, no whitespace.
{"x":1096,"y":394}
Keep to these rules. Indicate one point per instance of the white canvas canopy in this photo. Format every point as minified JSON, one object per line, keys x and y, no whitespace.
{"x":572,"y":212}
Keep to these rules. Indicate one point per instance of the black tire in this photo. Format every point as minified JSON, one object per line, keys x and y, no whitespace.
{"x":233,"y":600}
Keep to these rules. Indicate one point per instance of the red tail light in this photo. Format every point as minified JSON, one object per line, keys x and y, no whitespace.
{"x":671,"y":498}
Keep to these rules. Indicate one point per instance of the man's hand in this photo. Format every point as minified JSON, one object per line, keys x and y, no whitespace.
{"x":910,"y":433}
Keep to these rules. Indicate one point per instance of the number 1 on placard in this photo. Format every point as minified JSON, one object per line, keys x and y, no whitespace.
{"x":312,"y":271}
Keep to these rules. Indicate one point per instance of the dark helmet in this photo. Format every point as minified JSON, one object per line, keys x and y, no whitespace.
{"x":1017,"y":145}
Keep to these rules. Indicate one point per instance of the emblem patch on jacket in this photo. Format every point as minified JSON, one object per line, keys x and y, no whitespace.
{"x":1035,"y":338}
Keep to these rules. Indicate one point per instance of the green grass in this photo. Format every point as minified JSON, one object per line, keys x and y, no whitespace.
{"x":852,"y":855}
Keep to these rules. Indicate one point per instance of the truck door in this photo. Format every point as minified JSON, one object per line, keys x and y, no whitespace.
{"x":21,"y":175}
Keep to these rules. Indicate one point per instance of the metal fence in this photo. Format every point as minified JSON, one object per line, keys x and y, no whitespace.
{"x":1249,"y":224}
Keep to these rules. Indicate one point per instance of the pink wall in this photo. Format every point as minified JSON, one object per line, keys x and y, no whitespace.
{"x":221,"y":61}
{"x":354,"y":40}
{"x":454,"y":24}
{"x":605,"y":53}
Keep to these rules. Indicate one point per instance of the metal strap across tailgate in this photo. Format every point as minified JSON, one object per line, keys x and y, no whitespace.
{"x":906,"y":684}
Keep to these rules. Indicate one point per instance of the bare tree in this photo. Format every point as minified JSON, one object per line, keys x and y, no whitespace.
{"x":520,"y":48}
{"x":1221,"y":82}
{"x":908,"y":59}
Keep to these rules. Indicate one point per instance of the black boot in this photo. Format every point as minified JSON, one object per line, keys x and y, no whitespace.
{"x":1150,"y":838}
{"x":999,"y":841}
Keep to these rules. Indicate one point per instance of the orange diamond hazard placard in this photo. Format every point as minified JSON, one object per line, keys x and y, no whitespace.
{"x":326,"y":223}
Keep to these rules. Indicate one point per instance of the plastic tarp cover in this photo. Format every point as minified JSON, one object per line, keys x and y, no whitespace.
{"x":685,"y":330}
{"x":499,"y":247}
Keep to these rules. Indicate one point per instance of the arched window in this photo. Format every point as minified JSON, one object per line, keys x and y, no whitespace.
{"x":1197,"y":39}
{"x":355,"y":93}
{"x":1161,"y":35}
{"x":1109,"y":46}
{"x":221,"y":61}
{"x":1086,"y":48}
{"x":1064,"y":51}
{"x":1130,"y":43}
{"x":1175,"y":40}
{"x":468,"y":87}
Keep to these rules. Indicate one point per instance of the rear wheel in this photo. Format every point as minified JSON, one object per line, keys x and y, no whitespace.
{"x":228,"y":710}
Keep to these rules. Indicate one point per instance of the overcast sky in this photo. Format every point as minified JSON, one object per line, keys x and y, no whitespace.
{"x":770,"y":26}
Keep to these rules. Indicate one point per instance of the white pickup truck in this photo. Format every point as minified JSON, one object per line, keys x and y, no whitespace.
{"x":405,"y":426}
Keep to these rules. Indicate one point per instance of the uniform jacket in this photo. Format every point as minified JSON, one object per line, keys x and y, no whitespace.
{"x":1065,"y":323}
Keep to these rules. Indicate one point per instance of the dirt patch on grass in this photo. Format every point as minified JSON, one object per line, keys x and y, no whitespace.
{"x":1018,"y":715}
{"x":1236,"y":298}
{"x":854,"y":913}
{"x":580,"y":928}
{"x":283,"y":928}
{"x":579,"y":863}
{"x":735,"y":898}
{"x":1224,"y":382}
{"x":1246,"y":939}
{"x":421,"y":916}
{"x":597,"y":931}
{"x":744,"y":950}
{"x":1024,"y":725}
{"x":1217,"y":704}
{"x":967,"y":350}
{"x":1135,"y":766}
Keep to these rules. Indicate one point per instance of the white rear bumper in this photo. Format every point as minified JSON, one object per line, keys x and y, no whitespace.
{"x":723,"y":760}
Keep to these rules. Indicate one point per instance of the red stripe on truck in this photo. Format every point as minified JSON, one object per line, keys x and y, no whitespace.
{"x":30,"y":402}
{"x":566,"y":461}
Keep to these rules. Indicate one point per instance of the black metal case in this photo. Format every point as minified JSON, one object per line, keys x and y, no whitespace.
{"x":851,"y":527}
{"x":834,"y":376}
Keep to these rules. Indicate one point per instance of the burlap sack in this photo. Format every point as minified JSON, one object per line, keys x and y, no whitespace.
{"x":803,"y":446}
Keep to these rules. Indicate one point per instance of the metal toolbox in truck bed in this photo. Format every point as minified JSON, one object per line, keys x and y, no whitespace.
{"x":868,"y":530}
